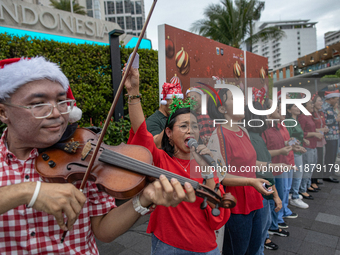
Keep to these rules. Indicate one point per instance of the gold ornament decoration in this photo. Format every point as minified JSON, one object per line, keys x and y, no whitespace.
{"x":169,"y":48}
{"x":237,"y":70}
{"x":182,"y":61}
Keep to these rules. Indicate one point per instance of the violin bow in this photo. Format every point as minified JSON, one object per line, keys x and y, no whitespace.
{"x":113,"y":106}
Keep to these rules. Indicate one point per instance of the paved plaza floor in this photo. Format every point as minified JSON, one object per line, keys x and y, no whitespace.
{"x":316,"y":231}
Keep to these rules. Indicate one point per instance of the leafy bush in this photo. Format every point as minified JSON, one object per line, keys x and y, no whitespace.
{"x":117,"y":131}
{"x":332,"y":78}
{"x":88,"y":69}
{"x":2,"y":126}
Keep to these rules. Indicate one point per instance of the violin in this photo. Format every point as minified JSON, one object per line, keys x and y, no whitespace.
{"x":121,"y":171}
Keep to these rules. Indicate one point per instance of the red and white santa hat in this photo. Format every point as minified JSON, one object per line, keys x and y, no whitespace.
{"x":169,"y":90}
{"x":330,"y":94}
{"x":16,"y":72}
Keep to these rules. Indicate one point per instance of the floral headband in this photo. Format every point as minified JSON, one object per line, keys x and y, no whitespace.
{"x":179,"y":103}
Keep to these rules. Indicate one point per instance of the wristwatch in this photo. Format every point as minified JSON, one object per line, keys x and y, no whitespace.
{"x":141,"y":209}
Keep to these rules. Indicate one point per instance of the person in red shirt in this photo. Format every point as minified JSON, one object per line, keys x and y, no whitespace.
{"x":320,"y":125}
{"x":311,"y":135}
{"x":278,"y":150}
{"x":186,"y":227}
{"x":287,"y":175}
{"x":233,"y":149}
{"x":35,"y":108}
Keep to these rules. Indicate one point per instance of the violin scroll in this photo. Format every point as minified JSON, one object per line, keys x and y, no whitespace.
{"x":228,"y":200}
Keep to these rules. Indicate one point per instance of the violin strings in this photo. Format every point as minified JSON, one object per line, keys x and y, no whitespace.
{"x":133,"y":164}
{"x":137,"y":166}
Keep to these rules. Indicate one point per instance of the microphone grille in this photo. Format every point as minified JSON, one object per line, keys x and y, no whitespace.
{"x":192,"y":142}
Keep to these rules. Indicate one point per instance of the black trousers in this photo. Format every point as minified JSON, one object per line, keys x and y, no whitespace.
{"x":330,"y":157}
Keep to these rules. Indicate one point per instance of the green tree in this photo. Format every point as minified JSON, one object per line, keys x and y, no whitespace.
{"x":66,"y":6}
{"x":232,"y":23}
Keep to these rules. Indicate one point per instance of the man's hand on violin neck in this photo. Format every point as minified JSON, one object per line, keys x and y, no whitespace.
{"x":56,"y":199}
{"x":163,"y":192}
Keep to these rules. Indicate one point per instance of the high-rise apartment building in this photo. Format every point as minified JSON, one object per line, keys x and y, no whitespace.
{"x":128,"y":14}
{"x":332,"y":37}
{"x":299,"y":40}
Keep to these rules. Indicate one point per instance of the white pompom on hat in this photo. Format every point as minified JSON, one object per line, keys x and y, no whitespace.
{"x":76,"y":113}
{"x":16,"y":72}
{"x":169,"y":90}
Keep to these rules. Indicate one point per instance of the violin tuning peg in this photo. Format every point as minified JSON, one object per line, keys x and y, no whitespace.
{"x":204,"y":203}
{"x":215,"y":211}
{"x":217,"y":187}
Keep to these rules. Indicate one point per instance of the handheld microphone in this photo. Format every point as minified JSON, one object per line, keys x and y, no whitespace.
{"x":210,"y":161}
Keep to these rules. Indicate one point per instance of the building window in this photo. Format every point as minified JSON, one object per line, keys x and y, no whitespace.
{"x":138,"y":8}
{"x":132,"y":7}
{"x":299,"y":53}
{"x":88,"y":4}
{"x":120,"y":21}
{"x":127,"y":5}
{"x":90,"y":13}
{"x":119,"y":6}
{"x":110,"y":7}
{"x":133,"y":23}
{"x":298,"y":38}
{"x":139,"y":23}
{"x":298,"y":43}
{"x":111,"y":19}
{"x":298,"y":32}
{"x":298,"y":48}
{"x":128,"y":22}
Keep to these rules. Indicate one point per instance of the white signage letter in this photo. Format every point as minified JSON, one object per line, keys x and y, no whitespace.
{"x":238,"y":98}
{"x":298,"y":102}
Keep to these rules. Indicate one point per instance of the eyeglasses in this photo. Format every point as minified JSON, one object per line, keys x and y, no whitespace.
{"x":185,"y":127}
{"x":41,"y":111}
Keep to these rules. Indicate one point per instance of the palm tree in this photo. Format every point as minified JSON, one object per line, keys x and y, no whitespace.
{"x":66,"y":6}
{"x":221,"y":24}
{"x":232,"y":24}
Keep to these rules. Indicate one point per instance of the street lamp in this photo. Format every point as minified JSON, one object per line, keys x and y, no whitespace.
{"x":316,"y":82}
{"x":116,"y":70}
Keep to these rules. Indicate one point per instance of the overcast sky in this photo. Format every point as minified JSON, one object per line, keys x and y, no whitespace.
{"x":182,"y":13}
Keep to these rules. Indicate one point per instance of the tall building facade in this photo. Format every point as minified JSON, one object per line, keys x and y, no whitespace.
{"x":299,"y":40}
{"x":332,"y":37}
{"x":128,"y":14}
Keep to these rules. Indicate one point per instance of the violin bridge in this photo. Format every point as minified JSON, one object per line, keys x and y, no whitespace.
{"x":86,"y":150}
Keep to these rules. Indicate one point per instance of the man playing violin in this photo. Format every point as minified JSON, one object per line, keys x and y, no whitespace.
{"x":34,"y":105}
